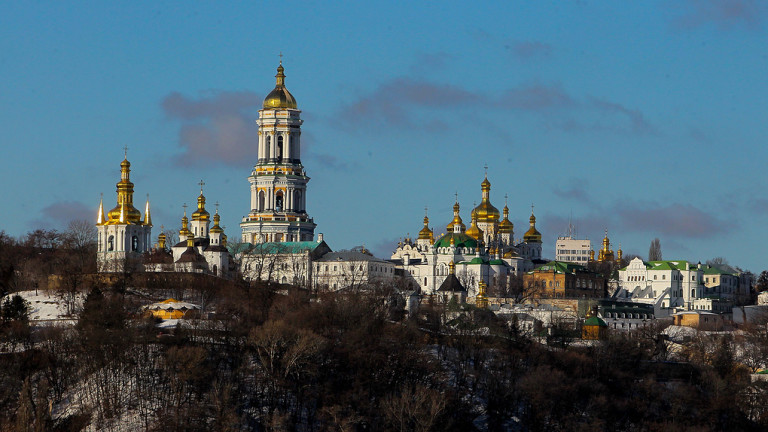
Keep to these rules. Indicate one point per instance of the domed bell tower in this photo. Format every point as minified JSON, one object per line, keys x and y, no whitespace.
{"x":278,"y":180}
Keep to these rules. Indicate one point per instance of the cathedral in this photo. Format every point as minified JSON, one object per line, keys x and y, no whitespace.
{"x":123,"y":235}
{"x":484,"y":254}
{"x":124,"y":238}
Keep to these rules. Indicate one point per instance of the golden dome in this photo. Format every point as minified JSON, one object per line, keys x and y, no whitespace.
{"x":506,"y":226}
{"x":184,"y":232}
{"x":486,"y":212}
{"x":201,"y":214}
{"x":124,"y":212}
{"x":280,"y":97}
{"x":426,"y":233}
{"x":456,"y":220}
{"x":532,"y":235}
{"x":216,"y":228}
{"x":473,"y":231}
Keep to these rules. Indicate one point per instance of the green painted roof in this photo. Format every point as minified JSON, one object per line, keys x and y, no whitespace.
{"x":669,"y":265}
{"x":714,"y":270}
{"x":497,"y":262}
{"x":559,"y":267}
{"x":461,"y":240}
{"x":284,"y":247}
{"x":595,"y":321}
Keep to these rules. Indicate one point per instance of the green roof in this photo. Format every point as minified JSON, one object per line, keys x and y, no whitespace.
{"x":559,"y":267}
{"x":497,"y":262}
{"x":284,"y":247}
{"x":669,"y":265}
{"x":714,"y":270}
{"x":595,"y":321}
{"x":460,"y":240}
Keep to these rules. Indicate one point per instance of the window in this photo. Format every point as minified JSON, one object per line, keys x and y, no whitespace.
{"x":266,"y":147}
{"x":134,"y":243}
{"x":279,"y":148}
{"x":655,"y":276}
{"x":111,"y":243}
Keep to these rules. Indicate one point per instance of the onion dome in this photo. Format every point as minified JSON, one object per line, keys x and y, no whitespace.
{"x":184,"y":232}
{"x":201,"y":214}
{"x":161,"y":240}
{"x":532,"y":235}
{"x":280,"y":97}
{"x":473,"y":231}
{"x":486,"y":212}
{"x":124,"y":212}
{"x":216,"y":228}
{"x":456,"y":220}
{"x":426,"y":233}
{"x":506,"y":226}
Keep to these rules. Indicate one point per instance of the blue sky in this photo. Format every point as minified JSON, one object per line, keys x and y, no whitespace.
{"x":646,"y":118}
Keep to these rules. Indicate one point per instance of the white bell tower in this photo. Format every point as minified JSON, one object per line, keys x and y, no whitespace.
{"x":278,"y":180}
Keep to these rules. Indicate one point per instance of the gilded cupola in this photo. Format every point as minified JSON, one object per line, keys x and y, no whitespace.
{"x":426,"y":233}
{"x":473,"y":231}
{"x":532,"y":235}
{"x":280,"y":97}
{"x":506,"y":226}
{"x":201,"y":214}
{"x":124,"y":212}
{"x":184,"y":232}
{"x":456,"y":220}
{"x":216,"y":228}
{"x":486,"y":212}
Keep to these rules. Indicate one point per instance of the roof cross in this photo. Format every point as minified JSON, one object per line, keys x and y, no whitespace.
{"x":125,"y":149}
{"x":281,"y":57}
{"x":202,"y":183}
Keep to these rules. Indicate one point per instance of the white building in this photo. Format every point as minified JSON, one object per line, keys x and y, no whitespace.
{"x":569,"y":249}
{"x":351,"y":269}
{"x":278,"y":182}
{"x":123,"y":236}
{"x":483,"y":252}
{"x":669,"y":286}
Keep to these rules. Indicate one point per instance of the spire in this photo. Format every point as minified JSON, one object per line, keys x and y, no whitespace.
{"x":147,"y":217}
{"x":100,"y":217}
{"x":124,"y":212}
{"x":280,"y":97}
{"x":184,"y":232}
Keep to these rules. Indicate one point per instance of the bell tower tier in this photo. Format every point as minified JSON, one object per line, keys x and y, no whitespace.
{"x":278,"y":180}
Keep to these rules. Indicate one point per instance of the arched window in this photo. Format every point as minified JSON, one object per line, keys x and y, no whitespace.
{"x":215,"y":270}
{"x":297,"y":200}
{"x":134,"y":243}
{"x":693,"y":292}
{"x":267,"y":145}
{"x":279,"y":201}
{"x":279,"y":148}
{"x":111,"y":243}
{"x":261,"y":201}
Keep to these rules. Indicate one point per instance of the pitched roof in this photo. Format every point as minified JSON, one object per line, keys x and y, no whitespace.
{"x":451,"y":284}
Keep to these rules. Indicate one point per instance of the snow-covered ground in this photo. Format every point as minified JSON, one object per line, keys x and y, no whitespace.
{"x":46,"y":308}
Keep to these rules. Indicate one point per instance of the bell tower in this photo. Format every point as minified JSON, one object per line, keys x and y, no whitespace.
{"x":278,"y":180}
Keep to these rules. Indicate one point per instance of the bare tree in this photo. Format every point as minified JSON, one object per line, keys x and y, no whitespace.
{"x":716,"y":261}
{"x":654,"y":251}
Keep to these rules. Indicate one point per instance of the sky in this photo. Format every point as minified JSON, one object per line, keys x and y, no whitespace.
{"x":643,"y":118}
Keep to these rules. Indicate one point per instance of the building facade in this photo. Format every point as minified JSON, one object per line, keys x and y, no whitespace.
{"x":569,"y":249}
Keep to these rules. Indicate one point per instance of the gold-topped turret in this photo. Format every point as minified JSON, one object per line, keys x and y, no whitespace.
{"x":473,"y":231}
{"x":486,"y":212}
{"x":532,"y":235}
{"x":216,"y":228}
{"x":456,"y":219}
{"x":201,"y":214}
{"x":506,"y":226}
{"x":161,"y":239}
{"x":481,"y":300}
{"x":184,"y":232}
{"x":280,"y":97}
{"x":426,"y":233}
{"x":605,"y":254}
{"x":124,"y":212}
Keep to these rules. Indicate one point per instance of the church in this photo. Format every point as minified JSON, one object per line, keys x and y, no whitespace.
{"x":124,"y":241}
{"x":484,"y":254}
